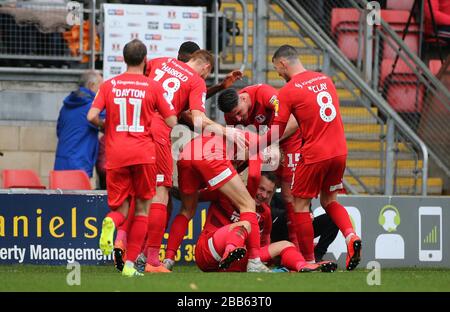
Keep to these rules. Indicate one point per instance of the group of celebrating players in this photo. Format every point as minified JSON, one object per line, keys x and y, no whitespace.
{"x":143,"y":105}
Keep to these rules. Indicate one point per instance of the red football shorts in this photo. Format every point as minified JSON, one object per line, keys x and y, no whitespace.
{"x":163,"y":149}
{"x":324,"y":176}
{"x":290,"y":158}
{"x":210,"y":248}
{"x":204,"y":163}
{"x":124,"y":182}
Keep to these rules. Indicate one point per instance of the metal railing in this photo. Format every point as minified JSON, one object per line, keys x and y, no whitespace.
{"x":39,"y":31}
{"x":395,"y":141}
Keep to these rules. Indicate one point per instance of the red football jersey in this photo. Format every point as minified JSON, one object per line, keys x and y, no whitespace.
{"x":130,"y":101}
{"x":184,"y":87}
{"x":312,"y":98}
{"x":221,"y":212}
{"x":265,"y":105}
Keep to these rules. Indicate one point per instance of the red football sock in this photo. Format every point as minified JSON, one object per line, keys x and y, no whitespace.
{"x":340,"y":217}
{"x":117,"y":218}
{"x":177,"y":231}
{"x":121,"y":237}
{"x":156,"y":226}
{"x":254,"y":238}
{"x":136,"y":237}
{"x":291,"y":224}
{"x":236,"y":237}
{"x":305,"y":234}
{"x":292,"y":259}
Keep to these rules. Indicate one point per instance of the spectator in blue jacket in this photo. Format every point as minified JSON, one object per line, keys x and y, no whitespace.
{"x":77,"y":139}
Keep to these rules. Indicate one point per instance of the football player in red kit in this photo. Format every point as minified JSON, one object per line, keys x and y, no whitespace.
{"x":221,"y":245}
{"x":256,"y":106}
{"x":312,"y":98}
{"x":205,"y":161}
{"x":130,"y":101}
{"x":184,"y":85}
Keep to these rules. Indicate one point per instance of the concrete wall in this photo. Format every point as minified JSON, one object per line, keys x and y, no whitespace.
{"x":28,"y":145}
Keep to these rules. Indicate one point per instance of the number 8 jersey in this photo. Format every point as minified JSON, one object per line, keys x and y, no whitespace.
{"x":312,"y":98}
{"x":130,"y":101}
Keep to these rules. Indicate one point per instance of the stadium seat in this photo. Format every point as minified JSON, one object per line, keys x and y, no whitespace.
{"x":401,"y":87}
{"x":399,"y":4}
{"x":435,"y":66}
{"x":21,"y":179}
{"x":344,"y":26}
{"x":397,"y":20}
{"x":69,"y":180}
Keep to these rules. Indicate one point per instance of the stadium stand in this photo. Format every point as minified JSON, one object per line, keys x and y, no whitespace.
{"x":21,"y":179}
{"x":400,"y":87}
{"x":69,"y":180}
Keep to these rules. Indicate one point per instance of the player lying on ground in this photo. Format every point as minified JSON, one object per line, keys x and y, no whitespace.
{"x":222,"y":243}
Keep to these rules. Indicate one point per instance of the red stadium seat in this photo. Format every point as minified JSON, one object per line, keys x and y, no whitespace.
{"x":435,"y":66}
{"x":398,"y":19}
{"x":344,"y":26}
{"x":69,"y":180}
{"x":21,"y":179}
{"x":401,"y":88}
{"x":399,"y":4}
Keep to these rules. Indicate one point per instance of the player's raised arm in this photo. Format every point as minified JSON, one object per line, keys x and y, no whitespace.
{"x":227,"y":82}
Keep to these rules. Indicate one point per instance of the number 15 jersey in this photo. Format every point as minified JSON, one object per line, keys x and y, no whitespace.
{"x":312,"y":98}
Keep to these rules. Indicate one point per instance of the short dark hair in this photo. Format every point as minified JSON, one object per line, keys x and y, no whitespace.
{"x":134,"y":52}
{"x":286,"y":51}
{"x":270,"y":175}
{"x":186,"y":49}
{"x":228,"y":100}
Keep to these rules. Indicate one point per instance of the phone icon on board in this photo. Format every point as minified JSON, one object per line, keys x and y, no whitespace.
{"x":430,"y":234}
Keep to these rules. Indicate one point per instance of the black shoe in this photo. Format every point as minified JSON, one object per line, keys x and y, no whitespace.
{"x":234,"y":255}
{"x":327,"y":266}
{"x":118,"y":259}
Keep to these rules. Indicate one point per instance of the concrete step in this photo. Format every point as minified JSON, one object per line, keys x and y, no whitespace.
{"x":403,"y":185}
{"x":376,"y":164}
{"x":372,"y":146}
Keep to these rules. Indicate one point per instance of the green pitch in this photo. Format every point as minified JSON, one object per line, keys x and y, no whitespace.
{"x":189,"y":278}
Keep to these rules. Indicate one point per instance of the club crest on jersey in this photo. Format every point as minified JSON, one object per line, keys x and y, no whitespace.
{"x":276,"y":104}
{"x":260,"y":118}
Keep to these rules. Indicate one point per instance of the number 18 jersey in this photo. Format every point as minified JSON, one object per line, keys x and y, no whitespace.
{"x":312,"y":98}
{"x":182,"y":85}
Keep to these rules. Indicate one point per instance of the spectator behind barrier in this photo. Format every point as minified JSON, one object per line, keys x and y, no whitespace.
{"x":77,"y":139}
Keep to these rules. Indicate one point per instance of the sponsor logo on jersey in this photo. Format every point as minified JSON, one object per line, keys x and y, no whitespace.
{"x":193,"y":15}
{"x":260,"y":118}
{"x":172,"y":26}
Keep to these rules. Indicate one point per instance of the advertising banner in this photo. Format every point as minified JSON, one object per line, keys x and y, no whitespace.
{"x":60,"y":228}
{"x":162,"y":28}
